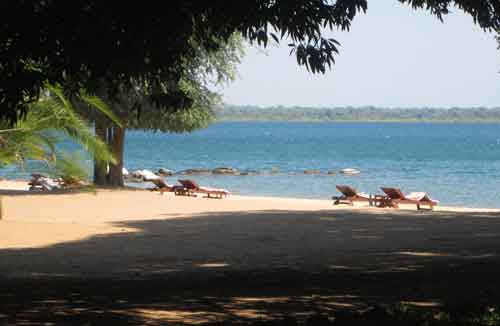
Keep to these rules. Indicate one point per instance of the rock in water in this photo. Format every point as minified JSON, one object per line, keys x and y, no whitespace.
{"x":137,"y":175}
{"x":249,"y":172}
{"x":165,"y":172}
{"x":144,"y":175}
{"x":350,"y":171}
{"x":194,"y":171}
{"x":312,"y":171}
{"x":225,"y":170}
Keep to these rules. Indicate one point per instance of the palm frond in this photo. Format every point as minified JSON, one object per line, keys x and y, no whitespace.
{"x":70,"y":168}
{"x":101,"y":106}
{"x":35,"y":137}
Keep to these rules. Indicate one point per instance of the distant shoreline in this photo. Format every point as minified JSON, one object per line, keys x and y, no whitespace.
{"x":361,"y":114}
{"x":367,"y":121}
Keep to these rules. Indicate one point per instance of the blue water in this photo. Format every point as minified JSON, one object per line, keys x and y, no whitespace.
{"x":458,"y":164}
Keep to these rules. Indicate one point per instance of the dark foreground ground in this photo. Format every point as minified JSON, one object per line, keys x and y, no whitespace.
{"x":442,"y":259}
{"x":245,"y":297}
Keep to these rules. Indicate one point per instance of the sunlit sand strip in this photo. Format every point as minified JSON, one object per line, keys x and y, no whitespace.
{"x":18,"y":235}
{"x":139,"y":204}
{"x":38,"y":220}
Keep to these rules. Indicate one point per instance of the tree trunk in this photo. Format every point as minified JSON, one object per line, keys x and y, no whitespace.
{"x":117,"y":143}
{"x":100,"y":169}
{"x":108,"y":174}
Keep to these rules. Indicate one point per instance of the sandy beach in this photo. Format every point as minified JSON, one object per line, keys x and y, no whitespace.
{"x":43,"y":219}
{"x":288,"y":248}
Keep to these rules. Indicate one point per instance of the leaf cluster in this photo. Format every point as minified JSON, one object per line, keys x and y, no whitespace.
{"x":205,"y":71}
{"x":50,"y":120}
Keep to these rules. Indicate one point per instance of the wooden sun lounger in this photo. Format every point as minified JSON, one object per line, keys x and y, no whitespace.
{"x":395,"y":197}
{"x":350,"y":195}
{"x":162,"y":186}
{"x":40,"y":182}
{"x":191,"y":188}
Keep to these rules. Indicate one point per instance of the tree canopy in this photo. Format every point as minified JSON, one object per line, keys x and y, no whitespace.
{"x":204,"y":71}
{"x":82,"y":42}
{"x":137,"y":110}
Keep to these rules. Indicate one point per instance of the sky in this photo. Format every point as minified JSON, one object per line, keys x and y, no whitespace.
{"x":393,"y":56}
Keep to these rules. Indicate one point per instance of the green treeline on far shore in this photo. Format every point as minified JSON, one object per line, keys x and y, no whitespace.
{"x":346,"y":114}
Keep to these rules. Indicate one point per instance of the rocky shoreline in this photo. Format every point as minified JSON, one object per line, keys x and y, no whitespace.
{"x":143,"y":175}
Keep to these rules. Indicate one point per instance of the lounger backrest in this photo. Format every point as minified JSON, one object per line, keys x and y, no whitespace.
{"x":49,"y":184}
{"x":347,"y":190}
{"x":160,"y":183}
{"x":189,"y":184}
{"x":393,"y":193}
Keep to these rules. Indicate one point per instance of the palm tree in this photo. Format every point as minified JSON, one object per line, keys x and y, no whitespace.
{"x":35,"y":137}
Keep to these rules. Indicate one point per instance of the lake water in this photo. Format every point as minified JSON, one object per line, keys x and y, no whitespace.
{"x":458,"y":164}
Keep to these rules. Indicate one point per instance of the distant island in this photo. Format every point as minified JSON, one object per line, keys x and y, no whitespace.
{"x":361,"y":114}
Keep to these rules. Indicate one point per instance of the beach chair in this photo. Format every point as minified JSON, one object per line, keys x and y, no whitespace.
{"x":350,"y":195}
{"x":40,"y":182}
{"x":162,"y":186}
{"x":395,"y":197}
{"x":191,"y":188}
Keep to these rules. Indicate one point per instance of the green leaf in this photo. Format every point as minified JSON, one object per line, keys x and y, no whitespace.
{"x":100,"y":105}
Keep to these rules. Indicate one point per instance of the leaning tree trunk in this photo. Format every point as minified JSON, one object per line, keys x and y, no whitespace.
{"x":100,"y":169}
{"x":117,"y":143}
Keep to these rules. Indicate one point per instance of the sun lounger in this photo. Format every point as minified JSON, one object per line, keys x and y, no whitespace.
{"x":40,"y":182}
{"x":162,"y":186}
{"x":395,"y":197}
{"x":191,"y":188}
{"x":350,"y":195}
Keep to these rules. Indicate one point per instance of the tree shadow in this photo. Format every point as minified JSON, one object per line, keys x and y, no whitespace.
{"x":243,"y":266}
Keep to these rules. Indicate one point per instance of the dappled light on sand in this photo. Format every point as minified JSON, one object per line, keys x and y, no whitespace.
{"x":213,"y":265}
{"x":328,"y":218}
{"x":23,"y":234}
{"x":424,"y":304}
{"x":423,"y":254}
{"x":187,"y":317}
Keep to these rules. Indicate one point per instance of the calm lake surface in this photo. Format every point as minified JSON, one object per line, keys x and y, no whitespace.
{"x":458,"y":164}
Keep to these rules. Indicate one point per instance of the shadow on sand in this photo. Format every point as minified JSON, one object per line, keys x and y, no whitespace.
{"x":254,"y":265}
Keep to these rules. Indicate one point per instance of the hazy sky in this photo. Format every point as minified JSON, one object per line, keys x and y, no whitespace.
{"x":393,"y":56}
